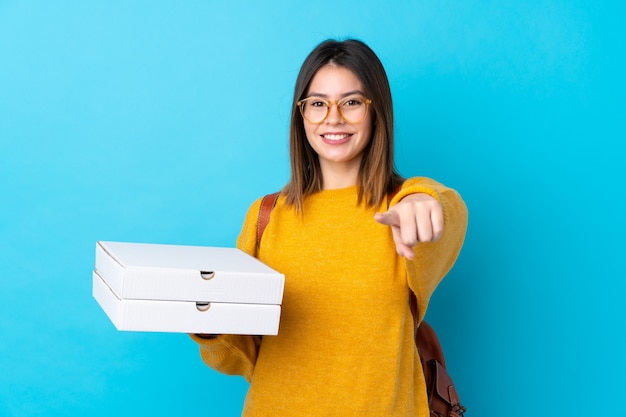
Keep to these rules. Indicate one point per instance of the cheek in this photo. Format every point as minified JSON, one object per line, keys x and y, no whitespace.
{"x":310,"y":131}
{"x":368,"y":129}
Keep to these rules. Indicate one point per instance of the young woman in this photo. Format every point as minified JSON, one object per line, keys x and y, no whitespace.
{"x":353,"y":239}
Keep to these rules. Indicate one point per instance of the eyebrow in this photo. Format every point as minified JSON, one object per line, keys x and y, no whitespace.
{"x":349,"y":93}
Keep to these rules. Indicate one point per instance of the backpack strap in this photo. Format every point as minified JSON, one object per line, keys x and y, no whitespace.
{"x":267,"y":204}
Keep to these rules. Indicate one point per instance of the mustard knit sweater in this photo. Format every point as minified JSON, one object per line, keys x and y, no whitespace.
{"x":345,"y":344}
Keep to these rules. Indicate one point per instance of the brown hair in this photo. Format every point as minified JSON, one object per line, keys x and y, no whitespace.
{"x":377,"y":174}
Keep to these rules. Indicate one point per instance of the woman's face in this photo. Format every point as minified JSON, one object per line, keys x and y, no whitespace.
{"x":337,"y":142}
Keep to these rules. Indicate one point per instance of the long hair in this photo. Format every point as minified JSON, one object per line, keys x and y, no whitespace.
{"x":377,"y":174}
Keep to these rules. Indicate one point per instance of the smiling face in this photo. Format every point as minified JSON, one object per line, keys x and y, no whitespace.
{"x":339,"y":144}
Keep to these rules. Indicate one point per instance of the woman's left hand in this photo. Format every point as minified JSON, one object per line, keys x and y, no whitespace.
{"x":416,"y":218}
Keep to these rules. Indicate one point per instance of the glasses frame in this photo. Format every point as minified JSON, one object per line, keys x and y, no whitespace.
{"x":329,"y":104}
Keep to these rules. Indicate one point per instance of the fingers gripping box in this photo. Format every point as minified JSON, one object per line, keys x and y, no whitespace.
{"x":187,"y":289}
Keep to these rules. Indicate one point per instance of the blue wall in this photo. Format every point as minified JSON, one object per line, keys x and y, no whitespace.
{"x":148,"y":121}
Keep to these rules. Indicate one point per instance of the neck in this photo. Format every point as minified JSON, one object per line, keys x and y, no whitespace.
{"x":337,"y":176}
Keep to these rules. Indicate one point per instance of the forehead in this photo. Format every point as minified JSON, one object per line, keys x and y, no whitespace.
{"x":334,"y":81}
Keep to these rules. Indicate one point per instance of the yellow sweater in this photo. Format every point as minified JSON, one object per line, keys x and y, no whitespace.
{"x":345,"y":345}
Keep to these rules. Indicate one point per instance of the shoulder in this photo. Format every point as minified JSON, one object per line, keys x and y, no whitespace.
{"x":247,"y":236}
{"x":264,"y":205}
{"x":257,"y":218}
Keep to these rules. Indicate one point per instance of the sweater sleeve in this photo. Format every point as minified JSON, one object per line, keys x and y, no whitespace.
{"x":235,"y":354}
{"x":230,"y":354}
{"x":433,"y":260}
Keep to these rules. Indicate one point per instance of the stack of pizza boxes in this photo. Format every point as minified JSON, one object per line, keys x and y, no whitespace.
{"x":187,"y":289}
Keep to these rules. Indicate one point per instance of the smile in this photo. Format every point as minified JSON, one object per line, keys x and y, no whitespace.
{"x":336,"y":136}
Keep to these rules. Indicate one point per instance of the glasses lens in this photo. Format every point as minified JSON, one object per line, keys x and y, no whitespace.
{"x":353,"y":109}
{"x":314,"y":109}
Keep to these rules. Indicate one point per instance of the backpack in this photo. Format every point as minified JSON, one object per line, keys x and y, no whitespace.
{"x":443,"y":399}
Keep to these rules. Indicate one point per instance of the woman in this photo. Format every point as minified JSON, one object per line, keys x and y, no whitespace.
{"x":349,"y":252}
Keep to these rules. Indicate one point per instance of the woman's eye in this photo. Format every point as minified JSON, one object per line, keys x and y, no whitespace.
{"x":352,"y":102}
{"x":318,"y":103}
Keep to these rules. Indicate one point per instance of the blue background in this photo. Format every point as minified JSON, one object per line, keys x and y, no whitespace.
{"x":161,"y":121}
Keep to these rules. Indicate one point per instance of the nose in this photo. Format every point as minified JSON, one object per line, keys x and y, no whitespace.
{"x":334,"y":115}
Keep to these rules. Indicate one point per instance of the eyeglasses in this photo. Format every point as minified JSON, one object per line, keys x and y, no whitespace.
{"x":351,"y":109}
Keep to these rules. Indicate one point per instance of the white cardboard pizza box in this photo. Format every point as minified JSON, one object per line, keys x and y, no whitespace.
{"x":146,"y":271}
{"x":185,"y":316}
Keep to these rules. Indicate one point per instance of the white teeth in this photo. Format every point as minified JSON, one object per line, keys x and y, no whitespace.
{"x":335,"y":137}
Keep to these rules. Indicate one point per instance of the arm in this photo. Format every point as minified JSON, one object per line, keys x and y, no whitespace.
{"x":234,"y":354}
{"x":230,"y":354}
{"x":428,"y":223}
